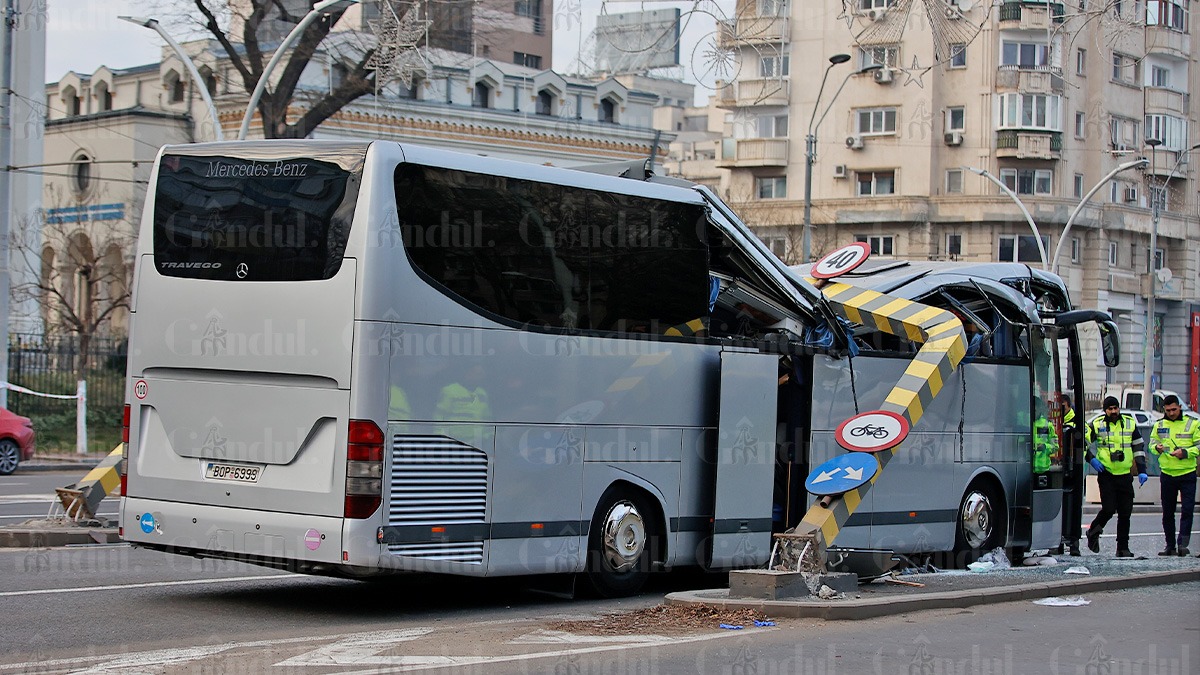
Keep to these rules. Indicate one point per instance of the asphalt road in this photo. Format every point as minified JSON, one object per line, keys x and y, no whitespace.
{"x":29,"y":495}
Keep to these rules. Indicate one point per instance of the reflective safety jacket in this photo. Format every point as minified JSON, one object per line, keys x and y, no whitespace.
{"x":1181,"y":434}
{"x":1045,"y":444}
{"x":1121,"y":440}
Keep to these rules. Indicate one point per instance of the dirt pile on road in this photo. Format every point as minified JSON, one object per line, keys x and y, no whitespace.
{"x":663,"y":619}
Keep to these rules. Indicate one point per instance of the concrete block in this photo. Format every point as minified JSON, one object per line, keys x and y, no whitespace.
{"x":842,"y":582}
{"x":767,"y":584}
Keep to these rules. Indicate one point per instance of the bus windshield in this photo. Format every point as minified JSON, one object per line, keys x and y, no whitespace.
{"x":231,"y":218}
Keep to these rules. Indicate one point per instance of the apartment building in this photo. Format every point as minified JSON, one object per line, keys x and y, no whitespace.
{"x":1044,"y":97}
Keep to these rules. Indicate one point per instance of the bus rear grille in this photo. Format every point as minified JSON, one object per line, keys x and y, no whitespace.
{"x":470,"y":552}
{"x":437,"y":481}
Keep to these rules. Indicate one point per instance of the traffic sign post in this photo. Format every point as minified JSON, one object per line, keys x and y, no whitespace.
{"x":843,"y":260}
{"x":872,"y":431}
{"x":842,"y":474}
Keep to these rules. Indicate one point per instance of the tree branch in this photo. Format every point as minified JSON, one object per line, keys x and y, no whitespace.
{"x":356,"y":84}
{"x":210,"y":23}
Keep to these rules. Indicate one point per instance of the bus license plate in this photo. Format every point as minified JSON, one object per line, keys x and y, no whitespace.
{"x":232,"y":472}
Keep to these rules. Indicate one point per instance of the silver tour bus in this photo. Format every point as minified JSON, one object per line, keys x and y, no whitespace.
{"x":372,"y":358}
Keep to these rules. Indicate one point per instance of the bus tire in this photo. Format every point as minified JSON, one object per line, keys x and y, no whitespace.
{"x":621,"y":542}
{"x":980,"y":524}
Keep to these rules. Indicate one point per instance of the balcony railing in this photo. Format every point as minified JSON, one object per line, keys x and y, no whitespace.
{"x":752,"y":30}
{"x":1032,"y":14}
{"x":1030,"y":79}
{"x":1162,"y":100}
{"x":748,"y":152}
{"x":764,"y":91}
{"x":1028,"y":144}
{"x":1164,"y":40}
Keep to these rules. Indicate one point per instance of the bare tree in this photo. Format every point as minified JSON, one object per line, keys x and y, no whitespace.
{"x":78,"y":272}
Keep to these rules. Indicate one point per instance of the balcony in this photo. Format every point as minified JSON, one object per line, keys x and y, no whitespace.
{"x":749,"y":152}
{"x":752,"y":30}
{"x":1166,"y":101}
{"x":1022,"y":16}
{"x":1162,"y":160}
{"x":1022,"y":144}
{"x":1163,"y":40}
{"x":1030,"y":80}
{"x":747,"y":93}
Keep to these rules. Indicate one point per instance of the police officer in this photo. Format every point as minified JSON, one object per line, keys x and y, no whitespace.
{"x":1118,"y":447}
{"x":1173,"y":440}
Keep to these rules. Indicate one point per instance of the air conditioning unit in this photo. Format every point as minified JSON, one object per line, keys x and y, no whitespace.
{"x":854,"y":142}
{"x":877,"y":14}
{"x":839,"y":171}
{"x":953,"y":14}
{"x":1131,"y":194}
{"x":883,"y":76}
{"x":953,"y":138}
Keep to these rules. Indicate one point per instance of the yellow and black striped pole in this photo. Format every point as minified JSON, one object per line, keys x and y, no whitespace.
{"x":80,"y":500}
{"x":943,"y":348}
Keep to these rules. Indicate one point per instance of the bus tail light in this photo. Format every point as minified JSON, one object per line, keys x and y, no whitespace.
{"x":364,"y":469}
{"x":124,"y":471}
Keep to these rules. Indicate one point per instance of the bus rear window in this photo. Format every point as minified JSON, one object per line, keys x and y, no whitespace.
{"x":277,"y":219}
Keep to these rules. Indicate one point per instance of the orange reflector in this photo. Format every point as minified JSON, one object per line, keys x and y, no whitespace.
{"x":438,"y":530}
{"x":121,"y":532}
{"x":912,"y":514}
{"x":537,"y":526}
{"x":345,"y":556}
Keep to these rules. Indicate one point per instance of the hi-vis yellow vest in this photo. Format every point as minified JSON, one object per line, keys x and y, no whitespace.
{"x":1183,"y":434}
{"x":1112,"y":437}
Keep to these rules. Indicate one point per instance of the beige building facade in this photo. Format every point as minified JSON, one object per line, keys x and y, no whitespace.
{"x":1047,"y":98}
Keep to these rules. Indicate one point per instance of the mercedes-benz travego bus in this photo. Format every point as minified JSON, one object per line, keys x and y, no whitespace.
{"x":370,"y":358}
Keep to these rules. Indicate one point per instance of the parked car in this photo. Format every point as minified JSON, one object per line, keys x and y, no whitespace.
{"x":16,"y":441}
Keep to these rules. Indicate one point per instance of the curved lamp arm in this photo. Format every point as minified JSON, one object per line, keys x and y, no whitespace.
{"x":1037,"y":236}
{"x":187,"y":63}
{"x":1079,"y":207}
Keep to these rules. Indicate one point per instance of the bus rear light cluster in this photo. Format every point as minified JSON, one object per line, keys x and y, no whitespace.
{"x":364,"y":469}
{"x":123,"y":471}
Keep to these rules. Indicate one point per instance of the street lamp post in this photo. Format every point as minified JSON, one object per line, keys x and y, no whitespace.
{"x":1079,"y":207}
{"x":1155,"y":210}
{"x":201,"y":86}
{"x":1037,"y":236}
{"x":261,"y":87}
{"x":810,"y":143}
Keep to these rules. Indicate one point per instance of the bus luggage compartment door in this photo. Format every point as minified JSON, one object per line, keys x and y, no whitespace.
{"x":745,"y":459}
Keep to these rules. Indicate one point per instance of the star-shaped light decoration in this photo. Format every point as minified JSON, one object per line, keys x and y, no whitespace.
{"x":397,"y":34}
{"x":916,"y":74}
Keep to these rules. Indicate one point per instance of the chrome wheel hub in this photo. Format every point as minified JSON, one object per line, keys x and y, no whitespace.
{"x":624,"y":536}
{"x":976,"y":519}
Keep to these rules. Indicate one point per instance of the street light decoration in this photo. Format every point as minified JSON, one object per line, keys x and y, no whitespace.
{"x":951,"y":26}
{"x":398,"y":32}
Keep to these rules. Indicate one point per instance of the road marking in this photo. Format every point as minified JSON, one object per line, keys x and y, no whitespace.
{"x":42,"y":515}
{"x":156,"y":657}
{"x":150,"y":584}
{"x":360,"y":649}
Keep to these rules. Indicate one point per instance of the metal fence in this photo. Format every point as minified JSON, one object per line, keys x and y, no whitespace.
{"x":53,"y":365}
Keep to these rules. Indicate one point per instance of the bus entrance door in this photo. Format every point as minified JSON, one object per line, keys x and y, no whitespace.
{"x":745,"y":457}
{"x":1046,"y":458}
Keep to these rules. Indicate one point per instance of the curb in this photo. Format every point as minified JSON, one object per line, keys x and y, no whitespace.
{"x":49,"y":538}
{"x":851,"y":610}
{"x":29,"y":467}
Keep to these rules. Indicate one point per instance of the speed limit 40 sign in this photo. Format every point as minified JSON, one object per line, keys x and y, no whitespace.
{"x":843,"y":260}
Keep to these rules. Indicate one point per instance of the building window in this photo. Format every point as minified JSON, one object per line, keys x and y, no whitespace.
{"x":1077,"y":188}
{"x":876,"y":183}
{"x":1170,"y":131}
{"x":1024,"y":54}
{"x":482,"y":98}
{"x":880,"y":244}
{"x":177,"y":90}
{"x":778,"y":246}
{"x":956,"y":118}
{"x":1160,"y":258}
{"x":877,"y":121}
{"x":772,"y":8}
{"x":1160,"y":77}
{"x":533,"y":10}
{"x":954,"y":181}
{"x":773,"y":187}
{"x":1028,"y":181}
{"x":81,"y":174}
{"x":885,"y":55}
{"x":954,"y":247}
{"x":1030,"y":111}
{"x":608,"y":111}
{"x":773,"y":66}
{"x":1125,"y":69}
{"x":1123,"y":133}
{"x":1075,"y":249}
{"x":1112,"y":254}
{"x":1171,"y":14}
{"x":958,"y":55}
{"x":773,"y":126}
{"x":1021,"y":248}
{"x":866,"y":5}
{"x":1080,"y":124}
{"x":1081,"y":62}
{"x":527,"y":60}
{"x":545,"y":103}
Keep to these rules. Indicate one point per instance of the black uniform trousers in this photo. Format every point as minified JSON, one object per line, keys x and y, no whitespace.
{"x":1116,"y":496}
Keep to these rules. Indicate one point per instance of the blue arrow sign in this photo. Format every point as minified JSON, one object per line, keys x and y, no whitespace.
{"x":842,"y":474}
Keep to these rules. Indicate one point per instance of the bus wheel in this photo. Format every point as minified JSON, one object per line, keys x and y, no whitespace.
{"x":979,"y":526}
{"x":619,"y":544}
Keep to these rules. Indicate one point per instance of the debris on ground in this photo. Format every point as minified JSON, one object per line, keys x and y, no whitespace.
{"x":1035,"y":560}
{"x":895,"y":580}
{"x":827,"y":593}
{"x":1062,"y":602}
{"x":662,"y":619}
{"x":1078,"y":569}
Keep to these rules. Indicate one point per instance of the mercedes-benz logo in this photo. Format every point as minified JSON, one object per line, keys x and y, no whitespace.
{"x":242,"y":270}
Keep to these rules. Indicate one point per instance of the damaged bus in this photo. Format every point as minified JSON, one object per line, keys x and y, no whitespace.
{"x":372,"y":358}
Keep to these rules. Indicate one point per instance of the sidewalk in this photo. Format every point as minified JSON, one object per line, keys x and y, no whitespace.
{"x":61,"y":462}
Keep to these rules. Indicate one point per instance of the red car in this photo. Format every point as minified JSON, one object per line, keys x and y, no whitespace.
{"x":16,"y":441}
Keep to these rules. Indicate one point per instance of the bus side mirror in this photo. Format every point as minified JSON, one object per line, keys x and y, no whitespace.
{"x":1110,"y":343}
